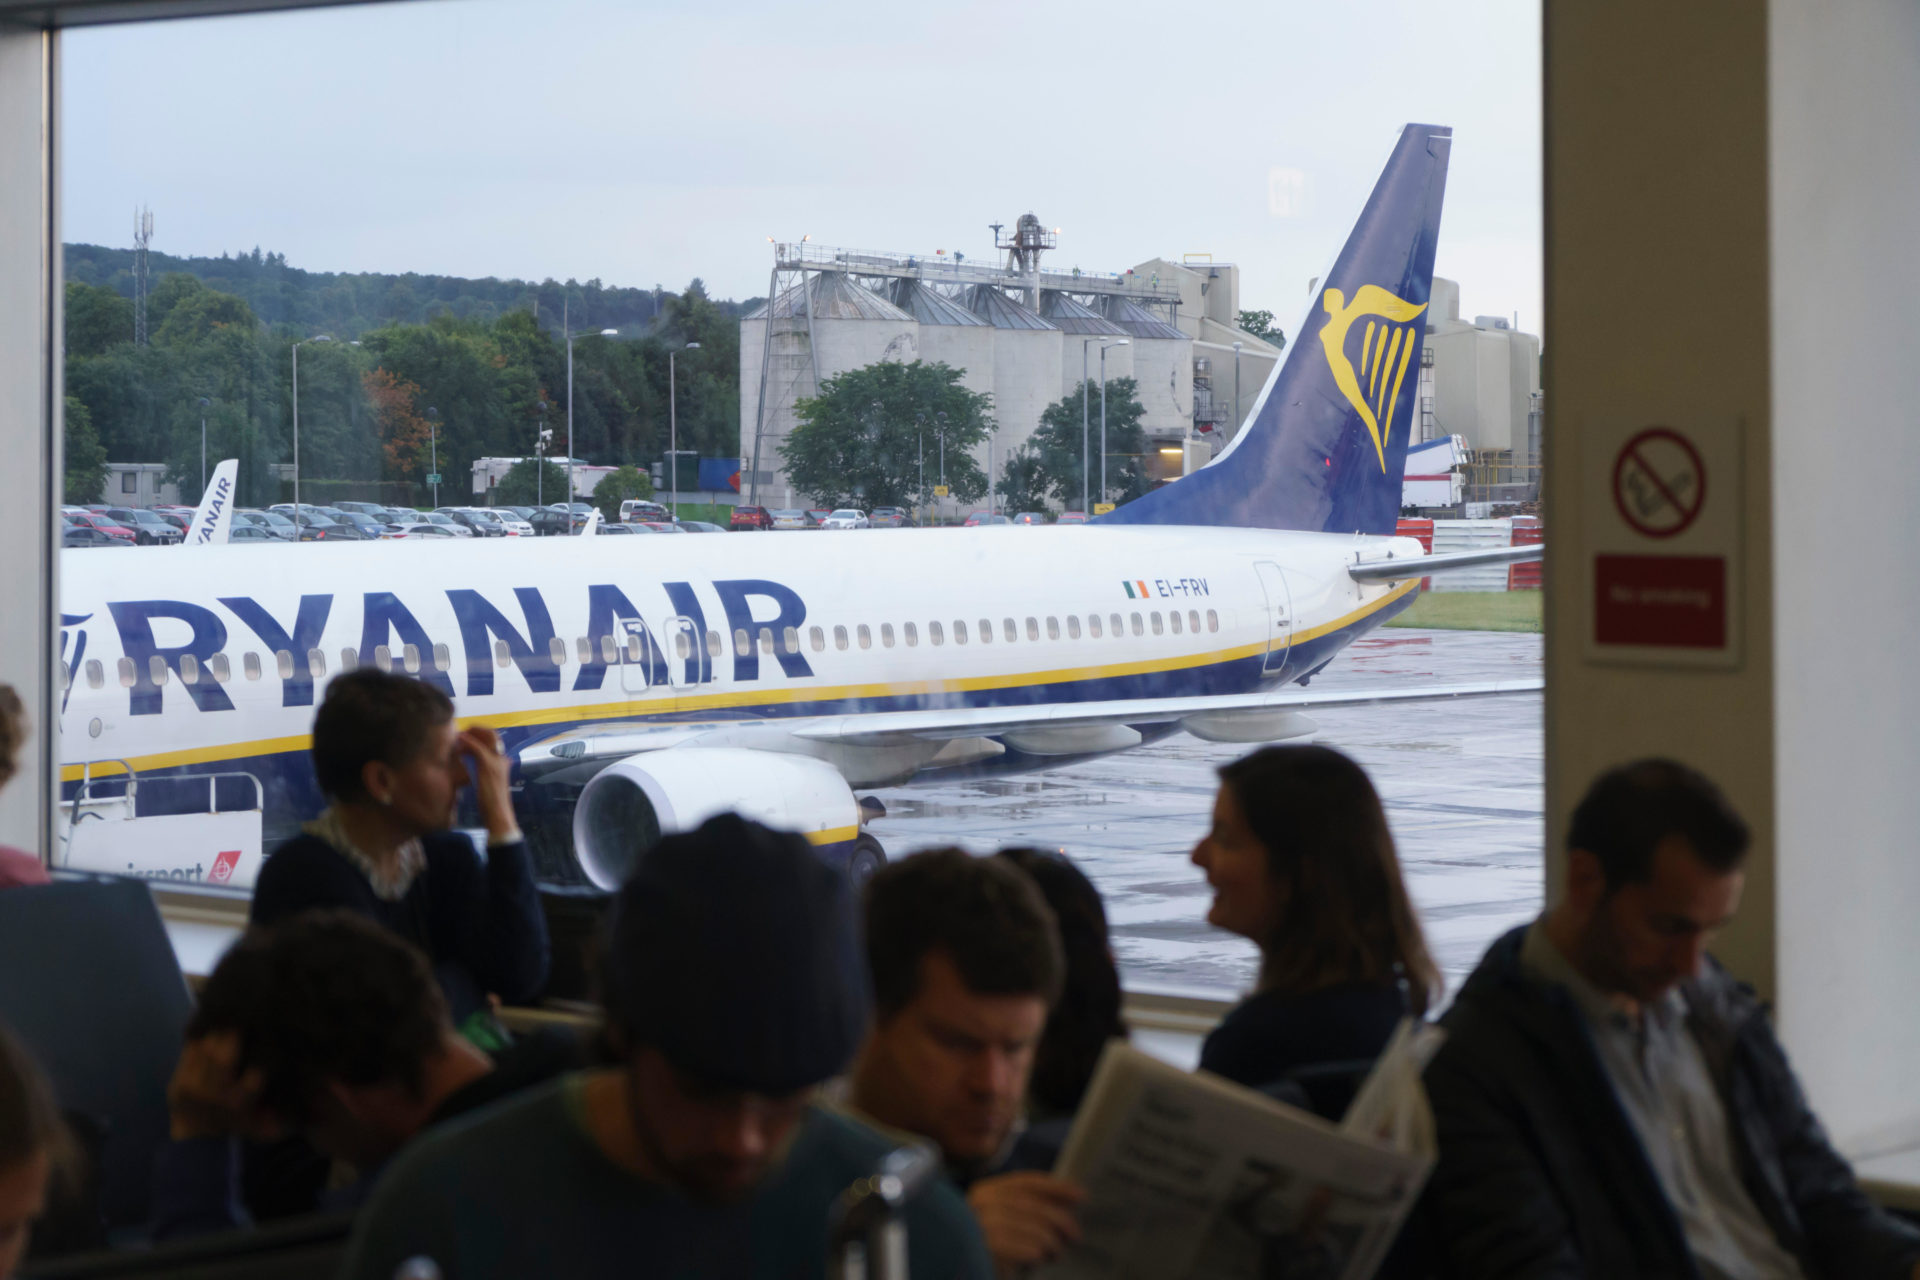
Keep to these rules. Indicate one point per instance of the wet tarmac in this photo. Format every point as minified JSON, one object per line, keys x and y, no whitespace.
{"x":1462,"y":782}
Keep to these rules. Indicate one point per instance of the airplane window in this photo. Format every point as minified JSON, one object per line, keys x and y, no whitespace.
{"x":442,"y":657}
{"x":1138,"y":628}
{"x":609,"y":650}
{"x":157,"y":669}
{"x":383,"y":657}
{"x":585,"y":648}
{"x":1173,"y":620}
{"x":189,"y":669}
{"x":934,"y":634}
{"x":1053,"y":628}
{"x":1193,"y":621}
{"x":680,"y":642}
{"x":792,"y":638}
{"x":817,"y":638}
{"x":741,"y":644}
{"x":766,"y":640}
{"x":96,"y":674}
{"x":910,"y":634}
{"x":840,"y":637}
{"x":886,"y":634}
{"x":317,"y":663}
{"x":1117,"y":626}
{"x":283,"y":664}
{"x":349,"y":658}
{"x":1008,"y":630}
{"x":713,"y":643}
{"x":410,"y":659}
{"x":1033,"y":628}
{"x":221,"y":671}
{"x":1073,"y":626}
{"x":1093,"y":625}
{"x":866,"y":637}
{"x":1213,"y":620}
{"x":1158,"y":629}
{"x":986,"y":631}
{"x":959,"y":631}
{"x":682,"y":646}
{"x":126,"y":673}
{"x":502,"y":656}
{"x":556,"y":651}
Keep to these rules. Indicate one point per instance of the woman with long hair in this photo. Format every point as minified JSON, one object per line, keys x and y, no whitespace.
{"x":1301,"y":862}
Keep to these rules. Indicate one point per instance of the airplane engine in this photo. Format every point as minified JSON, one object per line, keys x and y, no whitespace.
{"x":629,"y":806}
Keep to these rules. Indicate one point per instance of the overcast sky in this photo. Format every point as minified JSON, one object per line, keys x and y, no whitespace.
{"x":649,"y":143}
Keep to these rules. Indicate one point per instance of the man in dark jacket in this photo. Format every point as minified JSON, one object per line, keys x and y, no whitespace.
{"x":1611,"y":1103}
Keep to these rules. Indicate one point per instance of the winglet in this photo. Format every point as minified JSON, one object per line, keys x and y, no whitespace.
{"x":214,"y":516}
{"x":592,"y":525}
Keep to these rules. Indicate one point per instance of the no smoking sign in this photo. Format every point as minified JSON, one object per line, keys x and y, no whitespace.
{"x":1661,"y":531}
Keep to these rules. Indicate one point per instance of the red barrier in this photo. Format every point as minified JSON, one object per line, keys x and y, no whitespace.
{"x":1423,"y":530}
{"x":1527,"y":531}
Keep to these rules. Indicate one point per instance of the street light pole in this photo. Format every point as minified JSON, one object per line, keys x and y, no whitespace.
{"x":1236,"y":385}
{"x":433,"y":442}
{"x":296,"y":427}
{"x":204,"y":402}
{"x":673,"y":428}
{"x":940,"y":430}
{"x":540,"y":465}
{"x":1085,"y":469}
{"x":605,"y":333}
{"x":1117,"y":342}
{"x":920,"y":455}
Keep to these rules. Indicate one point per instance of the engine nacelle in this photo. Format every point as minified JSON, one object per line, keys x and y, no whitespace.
{"x":627,"y":807}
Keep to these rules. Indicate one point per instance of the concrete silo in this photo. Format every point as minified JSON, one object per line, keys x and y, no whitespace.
{"x":1026,"y":366}
{"x":1162,"y":365}
{"x":1085,"y":331}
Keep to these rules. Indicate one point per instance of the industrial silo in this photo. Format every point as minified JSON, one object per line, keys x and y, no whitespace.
{"x":1026,"y":366}
{"x":1162,"y":366}
{"x":1086,"y":332}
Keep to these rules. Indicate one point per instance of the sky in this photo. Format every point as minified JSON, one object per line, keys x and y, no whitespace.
{"x":649,"y":143}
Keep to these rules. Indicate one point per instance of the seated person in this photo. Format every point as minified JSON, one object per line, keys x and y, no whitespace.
{"x":1087,"y":1014}
{"x":733,"y":988}
{"x":1611,"y":1103}
{"x":966,"y":963}
{"x":17,"y":867}
{"x":33,"y":1145}
{"x":387,"y":755}
{"x":1301,"y":862}
{"x":330,"y":1027}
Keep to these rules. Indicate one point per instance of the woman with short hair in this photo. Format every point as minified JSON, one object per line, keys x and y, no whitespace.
{"x":391,"y":761}
{"x":1301,"y":862}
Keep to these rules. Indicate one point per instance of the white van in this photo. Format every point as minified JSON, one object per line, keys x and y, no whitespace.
{"x":636,"y":510}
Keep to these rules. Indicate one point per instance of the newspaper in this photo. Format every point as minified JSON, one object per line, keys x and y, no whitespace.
{"x":1189,"y":1175}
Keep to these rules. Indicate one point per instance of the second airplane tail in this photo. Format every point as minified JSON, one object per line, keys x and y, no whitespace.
{"x":1326,"y":444}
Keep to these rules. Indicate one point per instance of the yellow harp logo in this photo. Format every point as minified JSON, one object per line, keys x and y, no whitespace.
{"x":1385,"y":350}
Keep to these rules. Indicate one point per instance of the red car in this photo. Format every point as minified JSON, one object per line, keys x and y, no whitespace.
{"x":750,"y":518}
{"x":97,"y":521}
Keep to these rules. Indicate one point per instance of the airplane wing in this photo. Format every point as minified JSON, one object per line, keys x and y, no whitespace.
{"x":1399,"y":570}
{"x":214,"y":516}
{"x":611,"y":741}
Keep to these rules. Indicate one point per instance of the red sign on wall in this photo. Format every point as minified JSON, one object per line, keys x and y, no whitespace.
{"x":1670,"y":601}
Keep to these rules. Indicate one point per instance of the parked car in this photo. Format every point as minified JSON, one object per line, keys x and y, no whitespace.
{"x":366,"y":524}
{"x":107,"y":525}
{"x":890,"y":518}
{"x":472,"y":521}
{"x":241,"y":531}
{"x":618,"y":529}
{"x":1072,"y":517}
{"x":181,"y":520}
{"x":448,"y":523}
{"x":791,"y":518}
{"x":980,"y":517}
{"x":76,"y":534}
{"x":659,"y":526}
{"x":639,"y":509}
{"x":750,"y":518}
{"x":273,"y":522}
{"x":425,"y":530}
{"x":1031,"y":517}
{"x":517,"y":525}
{"x":846,"y":518}
{"x":817,"y":514}
{"x":319,"y":528}
{"x":699,"y":526}
{"x":551,"y":522}
{"x":149,"y":530}
{"x":350,"y":529}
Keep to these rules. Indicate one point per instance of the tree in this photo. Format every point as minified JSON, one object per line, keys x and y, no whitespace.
{"x":860,"y":441}
{"x":96,"y":319}
{"x":86,"y":457}
{"x":617,"y":486}
{"x":1260,"y":325}
{"x":523,"y":486}
{"x":1022,"y":486}
{"x":1056,"y":445}
{"x":404,"y":434}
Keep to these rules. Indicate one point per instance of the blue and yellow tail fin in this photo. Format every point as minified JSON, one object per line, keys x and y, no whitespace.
{"x":1326,"y":444}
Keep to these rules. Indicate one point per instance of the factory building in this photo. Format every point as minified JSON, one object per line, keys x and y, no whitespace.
{"x":1021,"y":333}
{"x":1481,"y":381}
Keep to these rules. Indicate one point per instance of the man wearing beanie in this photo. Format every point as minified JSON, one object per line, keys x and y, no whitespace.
{"x":735,"y":984}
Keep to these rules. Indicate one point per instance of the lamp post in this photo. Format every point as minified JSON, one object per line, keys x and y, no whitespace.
{"x":540,"y":465}
{"x":204,"y":403}
{"x":1117,"y":342}
{"x":433,"y":444}
{"x":604,"y":333}
{"x":1236,"y":385}
{"x":1085,"y":461}
{"x":296,"y":424}
{"x":673,"y":425}
{"x":940,"y":429}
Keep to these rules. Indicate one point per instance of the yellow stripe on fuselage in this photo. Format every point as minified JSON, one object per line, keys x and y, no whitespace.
{"x":678,"y":704}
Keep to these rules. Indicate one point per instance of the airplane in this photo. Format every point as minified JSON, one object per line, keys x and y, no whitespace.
{"x":641,"y":691}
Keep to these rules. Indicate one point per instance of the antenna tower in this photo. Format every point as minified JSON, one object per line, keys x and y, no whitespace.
{"x":142,"y":237}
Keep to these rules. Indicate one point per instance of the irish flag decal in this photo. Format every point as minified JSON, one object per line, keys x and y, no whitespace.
{"x":1136,"y":590}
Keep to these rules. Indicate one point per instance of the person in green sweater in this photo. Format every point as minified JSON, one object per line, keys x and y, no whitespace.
{"x":734,"y":986}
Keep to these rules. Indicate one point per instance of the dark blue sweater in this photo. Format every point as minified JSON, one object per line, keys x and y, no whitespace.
{"x":479,"y":922}
{"x":1271,"y":1034}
